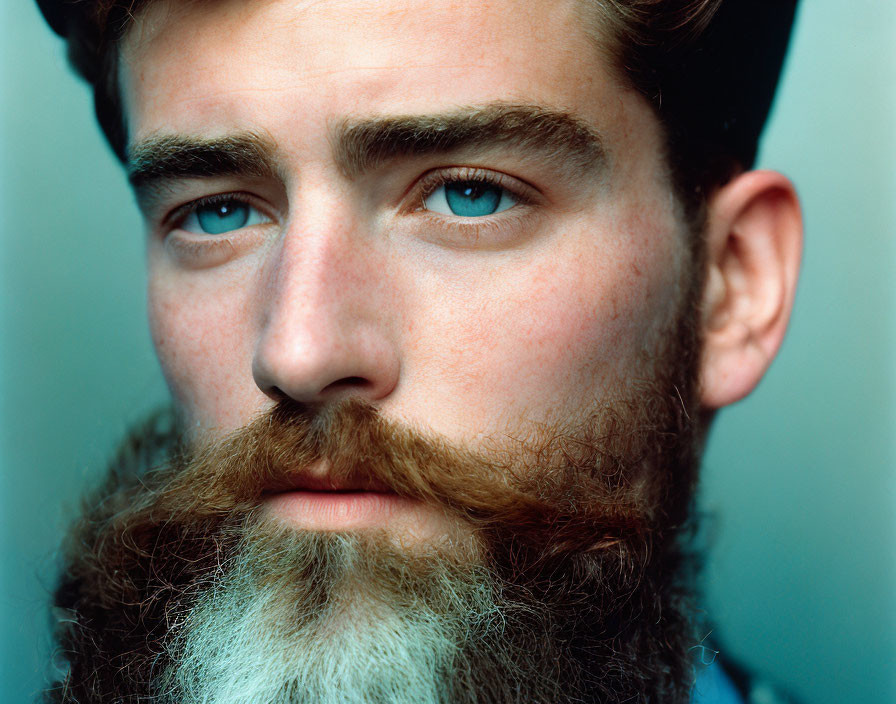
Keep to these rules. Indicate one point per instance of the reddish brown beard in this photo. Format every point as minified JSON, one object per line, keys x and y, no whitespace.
{"x":580,"y":531}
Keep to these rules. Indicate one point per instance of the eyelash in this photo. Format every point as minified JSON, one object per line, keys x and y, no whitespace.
{"x":431,"y":181}
{"x":176,"y":217}
{"x":462,"y":232}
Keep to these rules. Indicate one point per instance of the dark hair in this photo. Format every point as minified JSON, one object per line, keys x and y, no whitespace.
{"x":708,"y":67}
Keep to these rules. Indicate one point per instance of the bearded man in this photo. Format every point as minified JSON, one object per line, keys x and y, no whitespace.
{"x":446,"y":295}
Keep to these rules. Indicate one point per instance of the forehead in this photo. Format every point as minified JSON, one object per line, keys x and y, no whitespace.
{"x":211,"y":66}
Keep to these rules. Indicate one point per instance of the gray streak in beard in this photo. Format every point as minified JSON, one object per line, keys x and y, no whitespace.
{"x":330,"y":618}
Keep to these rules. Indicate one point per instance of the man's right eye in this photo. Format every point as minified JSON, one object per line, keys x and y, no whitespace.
{"x":219,"y":215}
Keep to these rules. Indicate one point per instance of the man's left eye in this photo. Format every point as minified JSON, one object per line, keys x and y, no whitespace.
{"x":220,"y":216}
{"x":469,"y":199}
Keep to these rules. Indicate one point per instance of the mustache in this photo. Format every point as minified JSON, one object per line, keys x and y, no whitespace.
{"x":573,"y":491}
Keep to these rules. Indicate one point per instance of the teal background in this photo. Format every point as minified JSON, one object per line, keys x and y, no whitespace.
{"x":799,"y":479}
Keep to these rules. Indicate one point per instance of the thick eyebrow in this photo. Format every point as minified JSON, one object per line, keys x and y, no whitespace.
{"x":156,"y":161}
{"x":359,"y":145}
{"x":552,"y":135}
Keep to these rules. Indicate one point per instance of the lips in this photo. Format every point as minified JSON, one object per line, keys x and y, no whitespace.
{"x":317,"y":500}
{"x":318,"y":479}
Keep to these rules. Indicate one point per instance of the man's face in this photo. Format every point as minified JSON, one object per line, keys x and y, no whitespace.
{"x":415,"y":271}
{"x":515,"y":277}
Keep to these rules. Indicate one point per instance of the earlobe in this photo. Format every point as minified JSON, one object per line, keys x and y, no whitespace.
{"x":754,"y":243}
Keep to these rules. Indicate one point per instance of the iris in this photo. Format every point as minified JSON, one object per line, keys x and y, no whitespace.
{"x":473,"y":198}
{"x":221,"y":217}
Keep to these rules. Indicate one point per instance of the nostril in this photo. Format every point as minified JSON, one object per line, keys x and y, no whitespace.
{"x":348,"y":382}
{"x":276,"y":393}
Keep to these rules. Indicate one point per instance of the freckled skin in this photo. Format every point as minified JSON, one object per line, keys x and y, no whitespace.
{"x":338,"y":296}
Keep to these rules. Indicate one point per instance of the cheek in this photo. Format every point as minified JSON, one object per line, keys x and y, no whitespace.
{"x":552,"y":338}
{"x":579,"y":330}
{"x":200,"y":334}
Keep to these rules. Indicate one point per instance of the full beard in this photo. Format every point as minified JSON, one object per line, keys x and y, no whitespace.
{"x":566,"y":581}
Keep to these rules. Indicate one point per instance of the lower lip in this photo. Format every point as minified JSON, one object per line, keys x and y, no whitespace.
{"x":332,"y":510}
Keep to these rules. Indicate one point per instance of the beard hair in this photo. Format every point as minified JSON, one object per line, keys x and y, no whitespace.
{"x":316,"y":617}
{"x":571,"y":584}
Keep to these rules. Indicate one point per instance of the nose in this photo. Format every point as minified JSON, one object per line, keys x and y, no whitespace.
{"x":325,"y":318}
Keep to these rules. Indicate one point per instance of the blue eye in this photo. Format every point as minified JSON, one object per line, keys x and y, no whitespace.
{"x":469,"y":199}
{"x":221,"y":216}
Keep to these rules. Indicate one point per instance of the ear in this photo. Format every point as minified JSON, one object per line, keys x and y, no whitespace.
{"x":754,"y":241}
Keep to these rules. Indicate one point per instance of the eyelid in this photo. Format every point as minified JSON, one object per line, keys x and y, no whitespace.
{"x":175,"y":218}
{"x":522,"y":192}
{"x":502,"y":230}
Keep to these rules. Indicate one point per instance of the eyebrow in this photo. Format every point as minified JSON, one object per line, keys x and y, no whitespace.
{"x":555,"y":136}
{"x":363,"y":144}
{"x":157,"y":160}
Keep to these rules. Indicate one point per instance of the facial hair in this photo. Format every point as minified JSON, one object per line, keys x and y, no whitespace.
{"x":568,"y":584}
